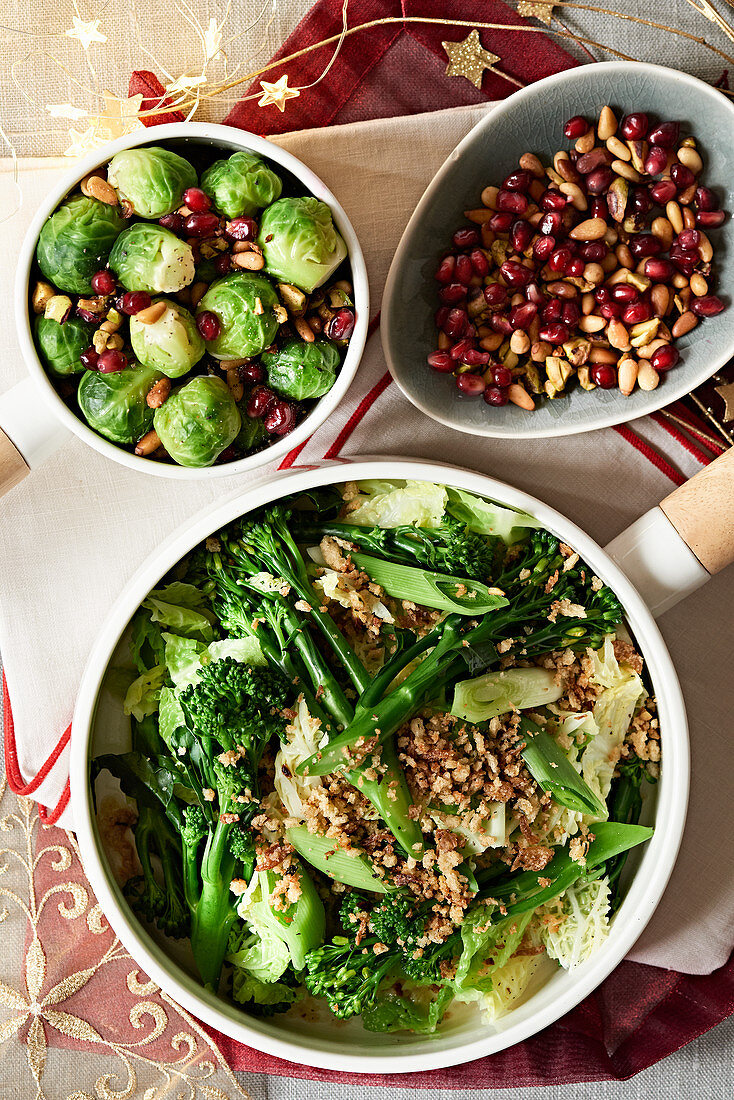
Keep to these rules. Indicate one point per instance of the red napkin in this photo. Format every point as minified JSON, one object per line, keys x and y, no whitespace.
{"x":641,"y":1013}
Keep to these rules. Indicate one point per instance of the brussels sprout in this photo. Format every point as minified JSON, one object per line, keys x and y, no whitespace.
{"x":151,"y":181}
{"x":241,"y":184}
{"x":300,"y":243}
{"x":60,"y":346}
{"x":114,"y":404}
{"x":172,"y":344}
{"x":300,"y":370}
{"x":76,"y":241}
{"x":252,"y":434}
{"x":245,"y":308}
{"x":149,"y":257}
{"x":198,"y":421}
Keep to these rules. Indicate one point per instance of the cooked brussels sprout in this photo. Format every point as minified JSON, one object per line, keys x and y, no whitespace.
{"x":198,"y":421}
{"x":76,"y":241}
{"x":300,"y":243}
{"x":114,"y":404}
{"x":252,"y":434}
{"x":151,"y":181}
{"x":244,"y":305}
{"x":60,"y":346}
{"x":149,"y":257}
{"x":300,"y":370}
{"x":241,"y":184}
{"x":172,"y":344}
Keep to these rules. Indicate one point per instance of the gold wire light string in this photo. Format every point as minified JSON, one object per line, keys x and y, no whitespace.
{"x":707,"y":9}
{"x":337,"y":48}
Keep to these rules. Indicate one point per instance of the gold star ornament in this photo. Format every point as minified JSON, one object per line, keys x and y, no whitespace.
{"x":536,"y":9}
{"x":87,"y":33}
{"x":726,"y":393}
{"x":277,"y":93}
{"x":469,"y":59}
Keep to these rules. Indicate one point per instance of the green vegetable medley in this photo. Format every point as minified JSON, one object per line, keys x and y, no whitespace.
{"x":191,"y":308}
{"x":389,"y":745}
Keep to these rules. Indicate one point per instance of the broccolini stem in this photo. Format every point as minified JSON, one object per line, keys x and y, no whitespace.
{"x":214,"y":913}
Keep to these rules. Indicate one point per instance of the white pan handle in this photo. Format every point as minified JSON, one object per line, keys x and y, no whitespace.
{"x":675,"y":548}
{"x":29,"y":433}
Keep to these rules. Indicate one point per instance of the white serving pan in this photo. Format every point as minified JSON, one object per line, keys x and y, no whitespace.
{"x":649,"y":562}
{"x":34,"y":421}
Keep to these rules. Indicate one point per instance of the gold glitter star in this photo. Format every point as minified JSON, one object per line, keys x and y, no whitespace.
{"x":276,"y":93}
{"x":536,"y":9}
{"x":86,"y":32}
{"x":469,"y":59}
{"x":726,"y":393}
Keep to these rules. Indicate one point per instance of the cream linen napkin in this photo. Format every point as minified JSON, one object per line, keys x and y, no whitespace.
{"x":74,"y":531}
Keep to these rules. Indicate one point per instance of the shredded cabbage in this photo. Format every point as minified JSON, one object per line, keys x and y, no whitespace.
{"x":510,"y":982}
{"x":487,"y":518}
{"x":612,"y":714}
{"x":144,"y":693}
{"x":574,"y":925}
{"x":398,"y":503}
{"x":304,"y":737}
{"x":344,"y":590}
{"x":491,"y":831}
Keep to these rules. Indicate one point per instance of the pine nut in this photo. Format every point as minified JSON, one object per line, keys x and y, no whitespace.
{"x":691,"y":159}
{"x":445,"y":342}
{"x":152,"y":314}
{"x":489,"y":197}
{"x":618,"y":149}
{"x":304,"y":330}
{"x":158,"y":393}
{"x":487,"y":343}
{"x":687,"y":196}
{"x":627,"y":374}
{"x":591,"y":323}
{"x":594,"y":274}
{"x":602,"y":355}
{"x":647,"y":376}
{"x":197,"y":292}
{"x":540,"y":351}
{"x":519,"y":396}
{"x":674,"y":215}
{"x":660,"y":300}
{"x":689,"y":218}
{"x":663,"y":230}
{"x":625,"y":257}
{"x":649,"y":350}
{"x":607,"y":125}
{"x":94,"y":187}
{"x":588,"y":302}
{"x":705,"y":248}
{"x":699,"y":286}
{"x":586,"y":142}
{"x":519,"y":342}
{"x":590,"y":230}
{"x":679,"y":280}
{"x":479,"y":217}
{"x":110,"y":326}
{"x":685,"y":323}
{"x":626,"y":170}
{"x":576,"y":195}
{"x":561,"y":290}
{"x":149,"y":443}
{"x":249,"y":261}
{"x":530,"y":163}
{"x":234,"y":384}
{"x":617,"y":335}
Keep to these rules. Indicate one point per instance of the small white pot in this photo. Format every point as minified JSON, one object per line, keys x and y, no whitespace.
{"x":345,"y":1046}
{"x":37,"y":428}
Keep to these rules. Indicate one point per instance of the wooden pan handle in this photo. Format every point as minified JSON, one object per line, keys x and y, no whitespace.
{"x":13,"y":467}
{"x":702,"y":512}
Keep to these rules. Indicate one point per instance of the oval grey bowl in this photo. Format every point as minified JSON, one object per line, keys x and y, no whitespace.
{"x":532,"y":121}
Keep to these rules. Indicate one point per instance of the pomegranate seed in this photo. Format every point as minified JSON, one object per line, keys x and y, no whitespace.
{"x":501,"y":376}
{"x":103,"y":282}
{"x":111,"y":361}
{"x":685,"y":262}
{"x":663,"y":191}
{"x":475,"y":358}
{"x":456,"y":323}
{"x":641,"y":200}
{"x":553,"y":200}
{"x":514,"y":201}
{"x":208,"y":324}
{"x":710,"y":219}
{"x":664,"y":358}
{"x":666,"y":134}
{"x":534,"y":294}
{"x":518,"y":181}
{"x":251,"y":372}
{"x":466,"y":238}
{"x":89,"y":358}
{"x":87,"y":315}
{"x":681,"y":176}
{"x":593,"y":251}
{"x":471,"y":384}
{"x":479,"y":262}
{"x":515,"y":274}
{"x":133,"y":301}
{"x":634,"y":127}
{"x":521,"y":235}
{"x":655,"y":160}
{"x":570,"y":314}
{"x":689,"y":240}
{"x":645,"y":244}
{"x":445,"y":270}
{"x":500,"y":223}
{"x":551,"y":224}
{"x":495,"y":294}
{"x":611,"y":310}
{"x":495,"y":395}
{"x":281,"y":419}
{"x":197,"y":200}
{"x":576,"y":127}
{"x":441,"y":361}
{"x":440,"y":316}
{"x":173,"y":222}
{"x":523,"y":316}
{"x":543,"y":247}
{"x":460,"y":347}
{"x":229,"y":454}
{"x":576,"y":267}
{"x":602,"y":294}
{"x":603,"y":375}
{"x":555,"y":333}
{"x":599,"y":180}
{"x":260,"y":402}
{"x":341,"y":325}
{"x":662,"y":271}
{"x":500,"y":322}
{"x":241,"y":229}
{"x":201,"y":225}
{"x":599,"y":209}
{"x":553,"y":311}
{"x":560,"y":260}
{"x":623,"y":292}
{"x":222,"y":264}
{"x":706,"y":199}
{"x":708,"y":306}
{"x":636,"y":313}
{"x":452,"y":294}
{"x":464,"y":270}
